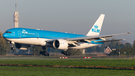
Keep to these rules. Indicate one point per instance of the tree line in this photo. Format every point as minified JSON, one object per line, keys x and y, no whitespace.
{"x":118,"y":46}
{"x":128,"y":49}
{"x":4,"y":45}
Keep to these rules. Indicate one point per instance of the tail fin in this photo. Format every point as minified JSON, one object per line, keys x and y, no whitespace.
{"x":96,"y":28}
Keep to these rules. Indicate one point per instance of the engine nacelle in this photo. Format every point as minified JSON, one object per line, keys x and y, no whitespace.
{"x":22,"y":46}
{"x":60,"y":44}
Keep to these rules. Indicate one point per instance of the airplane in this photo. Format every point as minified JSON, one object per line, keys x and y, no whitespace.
{"x":24,"y":37}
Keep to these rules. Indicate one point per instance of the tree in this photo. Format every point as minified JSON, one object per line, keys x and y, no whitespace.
{"x":128,"y":45}
{"x":134,"y":44}
{"x":112,"y":45}
{"x":4,"y":46}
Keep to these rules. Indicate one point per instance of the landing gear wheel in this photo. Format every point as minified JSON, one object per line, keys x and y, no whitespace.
{"x":44,"y":53}
{"x":47,"y":54}
{"x":65,"y":53}
{"x":12,"y":48}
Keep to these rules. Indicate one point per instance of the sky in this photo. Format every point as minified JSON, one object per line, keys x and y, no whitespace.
{"x":73,"y":16}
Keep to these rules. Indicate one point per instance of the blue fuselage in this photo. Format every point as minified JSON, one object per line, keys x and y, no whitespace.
{"x":35,"y":33}
{"x":41,"y":37}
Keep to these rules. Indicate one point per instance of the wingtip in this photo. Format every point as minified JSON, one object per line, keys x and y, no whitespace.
{"x":123,"y":39}
{"x":103,"y":14}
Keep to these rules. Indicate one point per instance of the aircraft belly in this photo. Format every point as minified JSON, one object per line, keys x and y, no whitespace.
{"x":34,"y":41}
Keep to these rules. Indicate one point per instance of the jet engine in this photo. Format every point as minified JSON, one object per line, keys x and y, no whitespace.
{"x":60,"y":44}
{"x":22,"y":46}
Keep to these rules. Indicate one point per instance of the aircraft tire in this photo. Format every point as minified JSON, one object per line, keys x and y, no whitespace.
{"x":46,"y":54}
{"x":12,"y":48}
{"x":65,"y":53}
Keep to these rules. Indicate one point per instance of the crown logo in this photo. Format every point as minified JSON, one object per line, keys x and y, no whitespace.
{"x":95,"y":26}
{"x":95,"y":29}
{"x":24,"y":31}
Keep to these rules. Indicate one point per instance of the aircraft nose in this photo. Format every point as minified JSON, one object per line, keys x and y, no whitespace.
{"x":5,"y":35}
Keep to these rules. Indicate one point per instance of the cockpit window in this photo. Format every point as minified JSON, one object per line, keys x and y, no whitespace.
{"x":8,"y":32}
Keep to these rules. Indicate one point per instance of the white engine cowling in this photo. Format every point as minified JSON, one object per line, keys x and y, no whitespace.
{"x":60,"y":44}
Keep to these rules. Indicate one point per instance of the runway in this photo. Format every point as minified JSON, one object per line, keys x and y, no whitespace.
{"x":70,"y":57}
{"x":38,"y":57}
{"x":16,"y":57}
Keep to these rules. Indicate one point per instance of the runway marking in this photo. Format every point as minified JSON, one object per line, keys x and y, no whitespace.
{"x":59,"y":66}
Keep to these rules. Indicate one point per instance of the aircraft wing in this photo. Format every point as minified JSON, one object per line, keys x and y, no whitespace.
{"x":95,"y":37}
{"x":110,"y":40}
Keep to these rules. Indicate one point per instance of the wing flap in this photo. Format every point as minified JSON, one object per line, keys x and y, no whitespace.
{"x":110,"y":40}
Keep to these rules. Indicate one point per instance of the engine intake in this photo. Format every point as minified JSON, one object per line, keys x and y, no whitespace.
{"x":60,"y":44}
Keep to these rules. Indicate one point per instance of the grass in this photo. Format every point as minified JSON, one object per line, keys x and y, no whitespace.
{"x":47,"y":71}
{"x":73,"y":62}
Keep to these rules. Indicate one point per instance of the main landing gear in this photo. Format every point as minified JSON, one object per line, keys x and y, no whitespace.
{"x":67,"y":53}
{"x":44,"y":52}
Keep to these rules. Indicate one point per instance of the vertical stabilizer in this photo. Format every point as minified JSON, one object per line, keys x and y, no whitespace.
{"x":96,"y":28}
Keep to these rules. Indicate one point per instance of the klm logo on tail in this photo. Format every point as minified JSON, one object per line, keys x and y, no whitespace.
{"x":95,"y":29}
